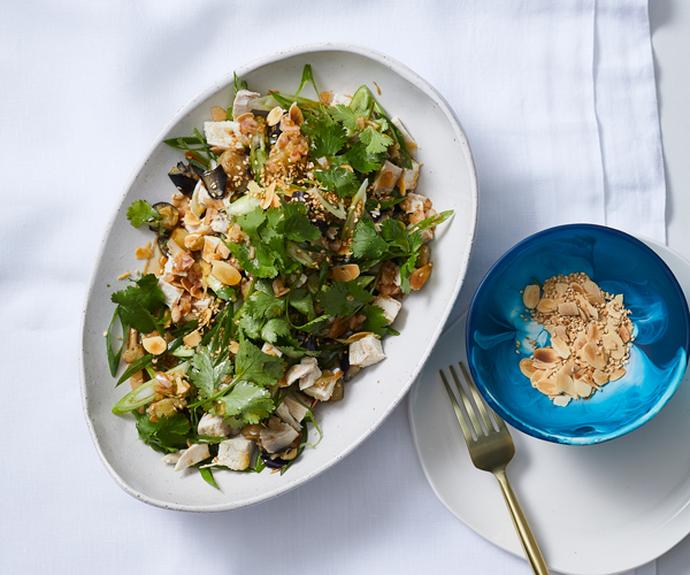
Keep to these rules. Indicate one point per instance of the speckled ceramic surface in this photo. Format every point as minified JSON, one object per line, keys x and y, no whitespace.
{"x":619,"y":263}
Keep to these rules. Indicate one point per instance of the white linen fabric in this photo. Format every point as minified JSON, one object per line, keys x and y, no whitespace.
{"x":558,"y":101}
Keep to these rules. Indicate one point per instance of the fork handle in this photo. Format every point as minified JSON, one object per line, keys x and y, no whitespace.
{"x":529,"y":543}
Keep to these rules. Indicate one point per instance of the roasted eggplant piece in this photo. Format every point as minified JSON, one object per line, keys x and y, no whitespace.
{"x":163,"y":245}
{"x":215,"y":181}
{"x":184,"y":177}
{"x":169,"y":216}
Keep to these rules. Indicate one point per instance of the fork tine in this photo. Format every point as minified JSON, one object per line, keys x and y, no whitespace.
{"x":458,"y":411}
{"x":471,"y":412}
{"x":478,"y":399}
{"x":490,"y":416}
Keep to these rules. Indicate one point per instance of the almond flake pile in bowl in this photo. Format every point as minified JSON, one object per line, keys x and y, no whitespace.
{"x":591,"y":335}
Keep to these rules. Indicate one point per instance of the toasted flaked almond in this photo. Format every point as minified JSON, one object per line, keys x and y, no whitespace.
{"x":420,"y":276}
{"x":624,"y":333}
{"x":568,"y":308}
{"x":546,"y":385}
{"x":618,"y":353}
{"x":593,"y":333}
{"x":559,"y":331}
{"x":614,"y":310}
{"x":594,"y":294}
{"x":576,"y":287}
{"x":561,"y":400}
{"x":279,"y":288}
{"x":345,"y":273}
{"x":618,"y":298}
{"x":225,"y":272}
{"x":560,"y":288}
{"x":591,"y":355}
{"x":611,"y":341}
{"x":547,"y":305}
{"x":527,"y":367}
{"x":194,"y":242}
{"x":296,"y":114}
{"x":269,"y":198}
{"x":600,"y":377}
{"x":582,"y":389}
{"x":144,"y":252}
{"x":218,"y":114}
{"x":560,"y":347}
{"x":154,"y":345}
{"x":531,"y":296}
{"x":192,"y":339}
{"x":274,"y":116}
{"x":234,"y":347}
{"x":564,"y":378}
{"x":620,"y":372}
{"x":546,"y":355}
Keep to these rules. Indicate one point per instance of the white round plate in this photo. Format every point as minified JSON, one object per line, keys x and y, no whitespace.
{"x":595,"y":509}
{"x":448,"y":177}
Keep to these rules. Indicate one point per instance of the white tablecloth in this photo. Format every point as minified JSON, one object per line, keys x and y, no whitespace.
{"x":558,"y":101}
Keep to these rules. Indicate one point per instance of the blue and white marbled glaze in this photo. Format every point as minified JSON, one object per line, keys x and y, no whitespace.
{"x":619,"y":264}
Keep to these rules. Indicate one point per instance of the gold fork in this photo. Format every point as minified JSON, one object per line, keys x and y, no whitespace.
{"x":491,"y":449}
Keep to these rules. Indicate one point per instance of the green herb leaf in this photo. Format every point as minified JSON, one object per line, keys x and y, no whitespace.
{"x":166,"y":434}
{"x":258,"y":367}
{"x":114,"y":352}
{"x":207,"y":376}
{"x":302,"y":301}
{"x":366,"y":242}
{"x":348,"y":117}
{"x":376,"y":142}
{"x":431,"y":221}
{"x":261,"y":266}
{"x":339,"y":180}
{"x":296,"y":225}
{"x":327,"y":136}
{"x":274,"y":329}
{"x":376,"y":321}
{"x":307,"y":78}
{"x":248,"y":401}
{"x":140,"y":212}
{"x":251,"y":221}
{"x":140,"y":304}
{"x":207,"y":475}
{"x":343,"y":298}
{"x":361,"y":160}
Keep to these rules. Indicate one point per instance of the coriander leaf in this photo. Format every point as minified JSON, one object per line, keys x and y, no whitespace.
{"x":339,"y":180}
{"x":348,"y":117}
{"x":410,"y":263}
{"x":140,"y":212}
{"x":343,"y":298}
{"x":361,"y":160}
{"x":396,"y":235}
{"x":376,"y":321}
{"x":166,"y":434}
{"x":140,"y":303}
{"x":302,"y":301}
{"x":326,"y":135}
{"x":251,"y":221}
{"x":366,"y":242}
{"x":255,"y":366}
{"x":296,"y":225}
{"x":261,"y":266}
{"x":248,"y":401}
{"x":376,"y":142}
{"x":206,"y":376}
{"x":274,"y":329}
{"x":251,"y":325}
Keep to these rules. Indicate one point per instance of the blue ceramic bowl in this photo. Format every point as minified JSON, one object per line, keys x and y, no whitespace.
{"x":619,"y":263}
